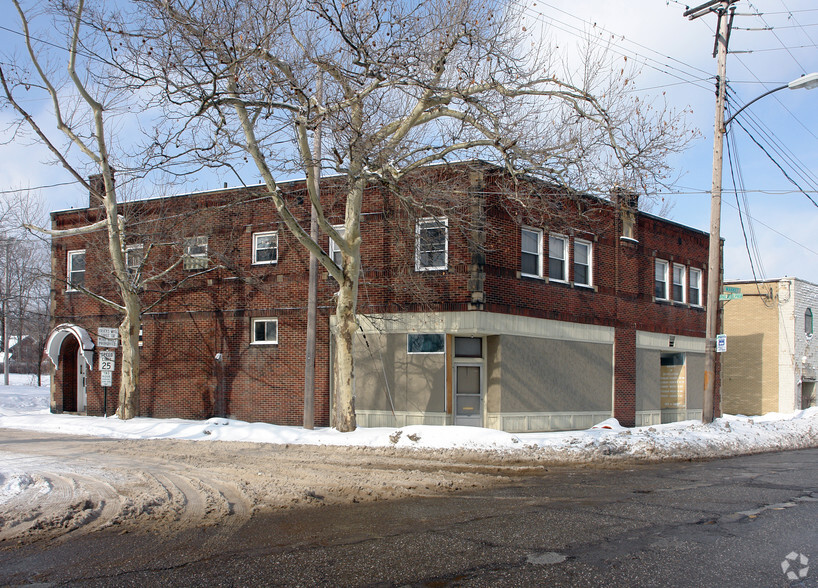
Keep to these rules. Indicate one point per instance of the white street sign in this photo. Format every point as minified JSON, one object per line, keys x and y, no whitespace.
{"x":108,"y":332}
{"x":107,"y":360}
{"x":106,"y":378}
{"x":721,"y":343}
{"x":105,"y":342}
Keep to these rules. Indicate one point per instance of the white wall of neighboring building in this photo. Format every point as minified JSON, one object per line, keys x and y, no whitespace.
{"x":797,"y":352}
{"x":805,"y":357}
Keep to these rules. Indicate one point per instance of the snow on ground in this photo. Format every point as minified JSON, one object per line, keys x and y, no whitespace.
{"x":25,"y":406}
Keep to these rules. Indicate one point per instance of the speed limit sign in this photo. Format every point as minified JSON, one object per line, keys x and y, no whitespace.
{"x":107,"y":360}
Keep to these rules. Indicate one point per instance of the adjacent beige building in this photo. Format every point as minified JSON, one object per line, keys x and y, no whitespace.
{"x":771,"y":358}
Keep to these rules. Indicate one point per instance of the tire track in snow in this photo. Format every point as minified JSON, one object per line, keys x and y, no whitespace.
{"x":169,"y":486}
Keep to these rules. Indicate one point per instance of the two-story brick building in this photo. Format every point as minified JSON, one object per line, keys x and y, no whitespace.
{"x":488,"y":313}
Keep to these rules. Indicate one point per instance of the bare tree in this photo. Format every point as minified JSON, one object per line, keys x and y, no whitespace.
{"x":87,"y":105}
{"x":406,"y":84}
{"x":25,"y":271}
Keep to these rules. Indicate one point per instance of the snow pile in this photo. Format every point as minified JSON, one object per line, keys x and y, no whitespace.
{"x":729,"y":435}
{"x":23,"y":395}
{"x":23,"y":406}
{"x":14,"y":484}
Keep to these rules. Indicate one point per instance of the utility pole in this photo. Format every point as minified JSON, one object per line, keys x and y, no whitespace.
{"x":720,"y":7}
{"x":312,"y":294}
{"x":6,"y":297}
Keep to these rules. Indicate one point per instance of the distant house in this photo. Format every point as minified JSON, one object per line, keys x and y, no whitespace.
{"x":23,"y":354}
{"x":491,"y":317}
{"x":771,"y":362}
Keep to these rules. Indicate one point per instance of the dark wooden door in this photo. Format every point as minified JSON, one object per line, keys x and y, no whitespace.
{"x":68,"y":359}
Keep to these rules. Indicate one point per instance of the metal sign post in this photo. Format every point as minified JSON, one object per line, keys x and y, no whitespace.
{"x":106,"y":337}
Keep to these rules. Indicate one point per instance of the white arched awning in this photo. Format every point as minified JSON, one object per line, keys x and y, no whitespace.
{"x":58,"y":335}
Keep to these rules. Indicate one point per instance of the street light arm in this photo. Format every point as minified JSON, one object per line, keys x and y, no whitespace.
{"x":752,"y":101}
{"x":807,"y":82}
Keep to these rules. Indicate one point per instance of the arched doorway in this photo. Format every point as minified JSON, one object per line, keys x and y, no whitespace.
{"x":71,"y":351}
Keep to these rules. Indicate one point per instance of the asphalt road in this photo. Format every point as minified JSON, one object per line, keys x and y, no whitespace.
{"x":730,"y":522}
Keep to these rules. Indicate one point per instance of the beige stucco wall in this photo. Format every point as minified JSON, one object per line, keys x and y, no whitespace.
{"x":548,"y":375}
{"x":494,"y":373}
{"x":695,"y":380}
{"x":750,"y":379}
{"x":647,"y":379}
{"x":416,"y":382}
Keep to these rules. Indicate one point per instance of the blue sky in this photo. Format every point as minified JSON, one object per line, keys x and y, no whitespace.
{"x":773,"y":42}
{"x":676,"y":58}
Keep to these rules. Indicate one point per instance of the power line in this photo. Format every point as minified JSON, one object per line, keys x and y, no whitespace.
{"x":777,"y":232}
{"x":14,"y":191}
{"x":777,"y":37}
{"x":798,"y":24}
{"x":770,"y":49}
{"x":786,"y":175}
{"x":646,"y":61}
{"x":780,"y":147}
{"x":751,"y":71}
{"x":747,"y":240}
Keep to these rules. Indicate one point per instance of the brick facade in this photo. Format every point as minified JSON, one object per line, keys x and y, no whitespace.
{"x":193,"y":319}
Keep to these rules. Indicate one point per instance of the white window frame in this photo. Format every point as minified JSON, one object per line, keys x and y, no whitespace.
{"x":132,"y":269}
{"x":256,"y":237}
{"x":564,"y":240}
{"x":409,"y":349}
{"x":333,"y":248}
{"x":538,"y":253}
{"x":661,"y":262}
{"x":590,"y":263}
{"x":264,"y":319}
{"x":682,"y":286}
{"x":431,"y":223}
{"x":68,"y":269}
{"x":698,"y":283}
{"x":809,"y":321}
{"x":196,"y":261}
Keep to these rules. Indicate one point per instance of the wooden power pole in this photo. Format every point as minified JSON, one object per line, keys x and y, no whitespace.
{"x":312,"y":294}
{"x":720,"y":7}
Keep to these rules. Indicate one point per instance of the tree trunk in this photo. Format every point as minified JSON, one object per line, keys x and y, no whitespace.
{"x":129,"y":374}
{"x":345,"y":313}
{"x":344,"y":345}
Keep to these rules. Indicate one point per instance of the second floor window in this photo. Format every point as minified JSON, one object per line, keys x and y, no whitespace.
{"x":76,"y":270}
{"x":134,"y":255}
{"x":264,"y":331}
{"x":582,"y":263}
{"x":695,"y":286}
{"x":195,"y":253}
{"x":678,"y":283}
{"x":431,"y":244}
{"x":557,"y":258}
{"x":531,"y":252}
{"x":808,"y":322}
{"x":660,"y":281}
{"x":265,"y":248}
{"x":334,"y":250}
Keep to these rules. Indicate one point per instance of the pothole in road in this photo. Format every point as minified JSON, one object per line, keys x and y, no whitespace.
{"x":744,"y":515}
{"x":546,"y":559}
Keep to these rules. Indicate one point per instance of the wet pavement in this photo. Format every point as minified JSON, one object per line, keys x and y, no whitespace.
{"x":747,"y":521}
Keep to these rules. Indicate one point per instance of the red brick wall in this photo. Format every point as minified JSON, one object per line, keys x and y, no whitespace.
{"x":211,"y":314}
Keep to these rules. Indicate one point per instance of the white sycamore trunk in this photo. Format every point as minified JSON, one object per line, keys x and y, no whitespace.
{"x":129,"y":373}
